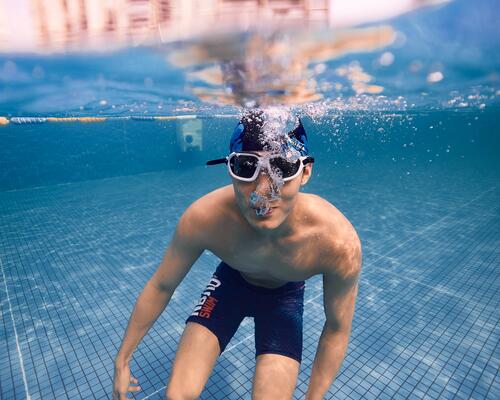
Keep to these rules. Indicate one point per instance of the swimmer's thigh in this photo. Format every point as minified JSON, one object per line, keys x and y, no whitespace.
{"x":194,"y":361}
{"x":275,"y":377}
{"x":208,"y":330}
{"x":278,"y":342}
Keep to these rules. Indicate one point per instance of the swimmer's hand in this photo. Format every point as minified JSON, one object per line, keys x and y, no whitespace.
{"x":122,"y":382}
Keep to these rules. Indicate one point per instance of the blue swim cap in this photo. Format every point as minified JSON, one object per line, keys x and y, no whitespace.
{"x":249,"y":136}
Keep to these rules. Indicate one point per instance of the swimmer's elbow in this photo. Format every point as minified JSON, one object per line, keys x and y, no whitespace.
{"x":160,"y":285}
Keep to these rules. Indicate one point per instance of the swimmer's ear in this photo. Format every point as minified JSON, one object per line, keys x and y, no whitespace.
{"x":306,"y":174}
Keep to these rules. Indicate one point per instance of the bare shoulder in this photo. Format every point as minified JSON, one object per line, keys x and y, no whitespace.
{"x":203,"y":216}
{"x":210,"y":207}
{"x":340,"y":247}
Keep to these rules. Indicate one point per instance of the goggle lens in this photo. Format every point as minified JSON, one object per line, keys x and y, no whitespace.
{"x":244,"y":166}
{"x":285,"y":168}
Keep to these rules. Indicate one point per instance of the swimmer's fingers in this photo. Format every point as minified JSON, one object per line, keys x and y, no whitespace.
{"x":124,"y":383}
{"x":134,"y":388}
{"x":135,"y":382}
{"x":123,"y":395}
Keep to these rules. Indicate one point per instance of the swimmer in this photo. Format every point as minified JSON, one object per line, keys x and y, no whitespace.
{"x":270,"y":238}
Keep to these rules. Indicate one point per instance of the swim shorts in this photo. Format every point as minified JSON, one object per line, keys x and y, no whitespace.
{"x":277,"y":313}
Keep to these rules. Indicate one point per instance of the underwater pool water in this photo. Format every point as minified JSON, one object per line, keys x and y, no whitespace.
{"x":87,"y":212}
{"x":405,"y":140}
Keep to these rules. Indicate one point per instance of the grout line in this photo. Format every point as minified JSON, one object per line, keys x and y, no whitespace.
{"x":21,"y":363}
{"x":446,"y":292}
{"x":418,"y":233}
{"x":317,"y":305}
{"x":156,"y":391}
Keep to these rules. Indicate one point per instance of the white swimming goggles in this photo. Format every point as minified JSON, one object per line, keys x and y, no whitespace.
{"x":247,"y":166}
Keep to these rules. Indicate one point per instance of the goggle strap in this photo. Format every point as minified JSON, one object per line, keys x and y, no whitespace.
{"x":308,"y":160}
{"x":218,"y":161}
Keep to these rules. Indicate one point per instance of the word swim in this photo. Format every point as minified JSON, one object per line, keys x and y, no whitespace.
{"x":207,"y":302}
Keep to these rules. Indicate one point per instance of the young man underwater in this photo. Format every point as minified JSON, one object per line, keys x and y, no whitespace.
{"x":270,"y":238}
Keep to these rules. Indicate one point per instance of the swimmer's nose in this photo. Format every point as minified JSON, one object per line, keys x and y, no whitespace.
{"x":263,"y":179}
{"x":265,"y":186}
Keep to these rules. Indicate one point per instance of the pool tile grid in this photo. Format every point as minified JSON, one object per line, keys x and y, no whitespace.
{"x":214,"y":388}
{"x":419,"y":326}
{"x":14,"y":379}
{"x":61,"y":345}
{"x":65,"y":262}
{"x":374,"y":271}
{"x":467,"y":273}
{"x":386,"y":331}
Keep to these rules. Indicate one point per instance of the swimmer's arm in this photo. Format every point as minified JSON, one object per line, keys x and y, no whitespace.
{"x":340,"y":288}
{"x":185,"y":248}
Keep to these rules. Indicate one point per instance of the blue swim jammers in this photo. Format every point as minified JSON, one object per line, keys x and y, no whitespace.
{"x":277,"y":313}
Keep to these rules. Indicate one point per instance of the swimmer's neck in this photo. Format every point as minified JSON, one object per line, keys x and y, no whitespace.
{"x":274,"y":235}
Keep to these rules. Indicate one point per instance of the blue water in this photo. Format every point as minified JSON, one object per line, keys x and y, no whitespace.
{"x":87,"y":211}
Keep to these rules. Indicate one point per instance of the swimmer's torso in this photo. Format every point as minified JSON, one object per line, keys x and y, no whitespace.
{"x":272,"y":263}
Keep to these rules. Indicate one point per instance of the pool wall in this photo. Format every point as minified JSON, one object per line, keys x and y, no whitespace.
{"x":57,"y":153}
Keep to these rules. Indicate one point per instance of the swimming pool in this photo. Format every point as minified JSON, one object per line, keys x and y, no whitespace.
{"x":87,"y":210}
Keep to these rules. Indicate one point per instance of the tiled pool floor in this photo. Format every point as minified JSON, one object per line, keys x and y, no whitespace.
{"x":75,"y":257}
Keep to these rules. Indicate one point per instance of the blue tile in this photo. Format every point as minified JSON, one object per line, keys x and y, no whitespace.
{"x":426,"y":308}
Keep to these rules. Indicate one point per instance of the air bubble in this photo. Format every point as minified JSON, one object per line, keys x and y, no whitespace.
{"x":386,"y":59}
{"x":434,"y":77}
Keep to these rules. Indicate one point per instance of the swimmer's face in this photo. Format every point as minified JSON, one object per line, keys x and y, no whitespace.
{"x":267,"y":202}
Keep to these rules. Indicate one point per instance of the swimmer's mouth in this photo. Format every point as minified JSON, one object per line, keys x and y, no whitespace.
{"x":269,"y":211}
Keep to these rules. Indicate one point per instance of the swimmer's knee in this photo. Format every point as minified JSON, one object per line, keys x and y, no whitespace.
{"x":181,"y":392}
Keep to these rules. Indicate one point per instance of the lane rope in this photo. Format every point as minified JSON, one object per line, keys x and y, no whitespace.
{"x":40,"y":120}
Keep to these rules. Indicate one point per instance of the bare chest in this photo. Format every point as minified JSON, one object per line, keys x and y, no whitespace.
{"x":269,"y":264}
